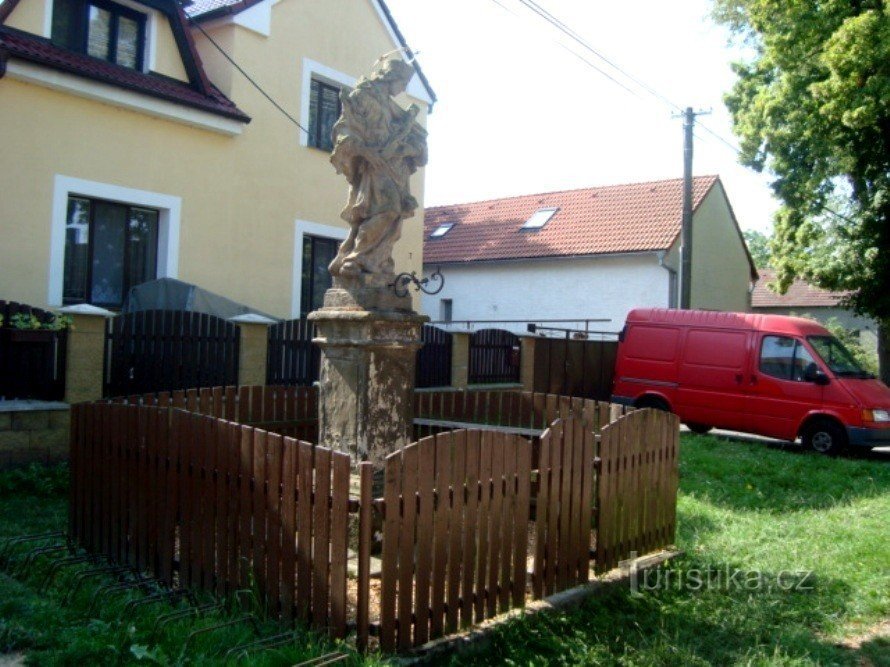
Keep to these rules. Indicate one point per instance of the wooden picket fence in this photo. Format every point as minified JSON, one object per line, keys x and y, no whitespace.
{"x":473,"y":522}
{"x":290,"y":411}
{"x":164,"y":350}
{"x":455,"y":534}
{"x":637,"y":490}
{"x":522,"y":411}
{"x":210,"y":504}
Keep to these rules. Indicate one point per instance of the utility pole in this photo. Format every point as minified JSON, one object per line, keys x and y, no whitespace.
{"x":686,"y":226}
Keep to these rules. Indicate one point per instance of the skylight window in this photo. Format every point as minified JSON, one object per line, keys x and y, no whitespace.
{"x":441,"y":230}
{"x":540,"y":218}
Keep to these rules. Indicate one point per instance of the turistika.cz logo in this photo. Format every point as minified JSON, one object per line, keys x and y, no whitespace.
{"x":725,"y":578}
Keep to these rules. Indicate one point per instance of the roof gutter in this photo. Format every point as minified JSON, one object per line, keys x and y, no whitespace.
{"x":659,"y":254}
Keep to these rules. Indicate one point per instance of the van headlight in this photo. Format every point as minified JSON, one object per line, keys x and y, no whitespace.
{"x":878,"y":415}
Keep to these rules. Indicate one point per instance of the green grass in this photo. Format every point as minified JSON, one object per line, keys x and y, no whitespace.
{"x":742,"y":507}
{"x":50,"y":630}
{"x":750,"y":508}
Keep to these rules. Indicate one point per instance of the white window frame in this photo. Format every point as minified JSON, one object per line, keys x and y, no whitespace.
{"x":169,"y":209}
{"x":325,"y":74}
{"x":307,"y":228}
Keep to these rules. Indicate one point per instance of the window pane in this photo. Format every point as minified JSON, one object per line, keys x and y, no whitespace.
{"x":306,"y":278}
{"x":127,"y":42}
{"x":77,"y":248}
{"x":318,"y":253}
{"x":839,"y":359}
{"x":99,"y":32}
{"x":776,"y":355}
{"x":323,"y":254}
{"x":324,"y":110}
{"x":328,"y":115}
{"x":313,"y":112}
{"x":142,"y":244}
{"x":109,"y":224}
{"x":802,"y":362}
{"x":68,"y":24}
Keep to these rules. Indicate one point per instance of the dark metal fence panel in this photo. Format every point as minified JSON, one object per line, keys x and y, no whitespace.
{"x":32,"y":361}
{"x":434,"y":358}
{"x":579,"y":368}
{"x":494,"y":357}
{"x":166,"y":350}
{"x":292,"y":358}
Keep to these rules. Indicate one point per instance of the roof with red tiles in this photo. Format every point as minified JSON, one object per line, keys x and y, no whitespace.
{"x":800,"y":294}
{"x":199,"y":94}
{"x":636,"y":217}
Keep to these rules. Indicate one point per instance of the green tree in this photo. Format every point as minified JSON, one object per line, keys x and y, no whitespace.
{"x":812,"y":107}
{"x":758,"y":246}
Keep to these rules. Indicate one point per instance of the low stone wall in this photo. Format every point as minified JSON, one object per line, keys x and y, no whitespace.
{"x":33,"y":432}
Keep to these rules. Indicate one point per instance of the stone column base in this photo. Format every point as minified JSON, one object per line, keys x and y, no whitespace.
{"x":366,"y":402}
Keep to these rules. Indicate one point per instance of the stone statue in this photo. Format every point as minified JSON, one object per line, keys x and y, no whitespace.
{"x":377,"y":146}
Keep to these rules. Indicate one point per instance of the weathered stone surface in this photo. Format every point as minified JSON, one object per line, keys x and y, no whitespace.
{"x":367,"y":380}
{"x":377,"y":146}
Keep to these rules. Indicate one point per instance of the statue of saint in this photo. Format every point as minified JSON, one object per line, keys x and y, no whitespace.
{"x":377,"y":146}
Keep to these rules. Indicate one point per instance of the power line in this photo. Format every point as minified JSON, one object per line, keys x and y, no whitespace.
{"x":247,"y":76}
{"x":570,"y":32}
{"x":577,"y":55}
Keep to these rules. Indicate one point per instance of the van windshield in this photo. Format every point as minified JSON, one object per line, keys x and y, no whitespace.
{"x":838,"y":358}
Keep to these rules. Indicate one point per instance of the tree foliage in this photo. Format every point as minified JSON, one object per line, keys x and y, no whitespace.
{"x":758,"y":246}
{"x":812,"y":106}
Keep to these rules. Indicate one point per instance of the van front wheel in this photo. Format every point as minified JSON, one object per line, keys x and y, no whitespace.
{"x":825,"y":436}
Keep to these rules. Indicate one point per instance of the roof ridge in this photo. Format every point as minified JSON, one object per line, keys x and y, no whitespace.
{"x":555,"y":192}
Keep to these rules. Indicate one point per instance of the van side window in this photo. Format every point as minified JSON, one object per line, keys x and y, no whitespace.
{"x":784,"y":358}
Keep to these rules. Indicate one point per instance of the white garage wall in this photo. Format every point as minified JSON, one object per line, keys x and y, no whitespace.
{"x":577,"y":289}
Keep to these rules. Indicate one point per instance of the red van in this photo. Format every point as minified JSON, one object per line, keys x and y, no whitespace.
{"x":782,"y":377}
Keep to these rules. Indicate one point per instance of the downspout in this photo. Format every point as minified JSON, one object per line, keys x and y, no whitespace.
{"x":672,"y":278}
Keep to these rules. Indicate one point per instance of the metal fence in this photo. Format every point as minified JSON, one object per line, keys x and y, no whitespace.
{"x":32,"y":360}
{"x":165,"y":350}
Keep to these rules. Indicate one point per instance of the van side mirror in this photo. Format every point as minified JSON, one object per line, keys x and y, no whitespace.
{"x":816,"y":376}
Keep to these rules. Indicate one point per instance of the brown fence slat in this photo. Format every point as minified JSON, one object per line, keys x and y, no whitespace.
{"x":321,"y":531}
{"x":457,"y":527}
{"x":426,"y":478}
{"x":366,"y":480}
{"x":441,"y":527}
{"x":390,"y":561}
{"x":304,"y":530}
{"x":274,"y":456}
{"x":288,"y":527}
{"x":339,"y":532}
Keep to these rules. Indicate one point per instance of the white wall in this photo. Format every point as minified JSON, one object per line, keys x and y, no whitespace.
{"x":533,"y":290}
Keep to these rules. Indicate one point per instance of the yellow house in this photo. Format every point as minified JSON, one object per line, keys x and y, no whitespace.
{"x":142,"y":139}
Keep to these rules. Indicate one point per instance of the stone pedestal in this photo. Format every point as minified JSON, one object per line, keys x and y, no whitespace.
{"x":369,"y":340}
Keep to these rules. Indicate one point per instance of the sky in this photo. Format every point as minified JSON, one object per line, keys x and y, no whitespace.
{"x":517,"y":113}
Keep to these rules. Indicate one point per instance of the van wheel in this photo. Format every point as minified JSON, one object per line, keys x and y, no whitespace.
{"x":699,"y":429}
{"x":825,"y":436}
{"x":653,"y":402}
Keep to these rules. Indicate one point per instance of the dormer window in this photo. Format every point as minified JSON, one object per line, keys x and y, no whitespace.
{"x":441,"y":230}
{"x":539,"y":218}
{"x":100,"y":29}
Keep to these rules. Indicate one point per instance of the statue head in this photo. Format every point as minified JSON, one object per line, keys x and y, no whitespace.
{"x":395,"y":73}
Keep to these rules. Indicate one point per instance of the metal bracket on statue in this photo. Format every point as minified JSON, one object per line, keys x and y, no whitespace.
{"x":403,"y":280}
